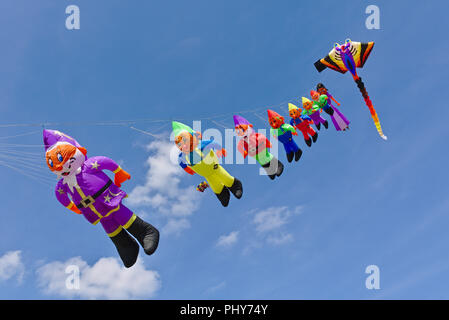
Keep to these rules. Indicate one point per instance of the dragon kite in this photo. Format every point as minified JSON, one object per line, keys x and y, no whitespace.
{"x":348,"y":57}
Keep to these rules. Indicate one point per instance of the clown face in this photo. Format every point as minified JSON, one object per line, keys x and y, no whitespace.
{"x":276,"y":122}
{"x":186,"y":142}
{"x":64,"y":160}
{"x":315,"y":95}
{"x":295,"y":113}
{"x":243,"y":130}
{"x":307,"y":105}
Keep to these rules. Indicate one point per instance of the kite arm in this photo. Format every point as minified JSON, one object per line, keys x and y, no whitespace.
{"x":63,"y":198}
{"x":333,"y":99}
{"x":105,"y":163}
{"x":263,"y":138}
{"x":290,"y":128}
{"x":241,"y":148}
{"x":184,"y":166}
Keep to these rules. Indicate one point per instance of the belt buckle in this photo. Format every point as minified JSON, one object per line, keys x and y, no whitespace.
{"x":87,"y":201}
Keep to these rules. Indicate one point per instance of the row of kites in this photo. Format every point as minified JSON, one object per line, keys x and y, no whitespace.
{"x":85,"y":189}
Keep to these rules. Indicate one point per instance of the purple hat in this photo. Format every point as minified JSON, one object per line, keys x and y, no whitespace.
{"x":52,"y":137}
{"x":240,"y":120}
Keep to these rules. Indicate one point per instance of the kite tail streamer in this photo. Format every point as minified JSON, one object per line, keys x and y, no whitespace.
{"x":370,"y":106}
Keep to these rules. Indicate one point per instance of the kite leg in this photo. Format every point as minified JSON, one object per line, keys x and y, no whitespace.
{"x":370,"y":106}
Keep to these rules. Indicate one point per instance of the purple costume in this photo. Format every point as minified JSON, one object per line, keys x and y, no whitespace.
{"x":338,"y":119}
{"x":107,"y":208}
{"x":84,"y":188}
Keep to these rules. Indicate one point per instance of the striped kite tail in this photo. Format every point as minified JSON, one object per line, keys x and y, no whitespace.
{"x":370,"y":106}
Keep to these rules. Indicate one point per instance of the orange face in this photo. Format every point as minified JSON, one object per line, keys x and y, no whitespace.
{"x":59,"y":155}
{"x":307,"y":105}
{"x":186,"y":142}
{"x":315,"y":95}
{"x":295,"y":113}
{"x":241,"y":130}
{"x":322,"y":91}
{"x":276,"y":122}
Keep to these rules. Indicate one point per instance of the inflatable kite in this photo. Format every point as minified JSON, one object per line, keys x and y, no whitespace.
{"x":313,"y":112}
{"x":284,"y":133}
{"x":85,"y":189}
{"x":202,"y":186}
{"x":348,"y":57}
{"x":338,"y":119}
{"x":256,"y":145}
{"x":322,"y":102}
{"x":198,"y":156}
{"x":302,"y":123}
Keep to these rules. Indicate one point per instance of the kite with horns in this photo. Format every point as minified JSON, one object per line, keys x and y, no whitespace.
{"x":85,"y":189}
{"x":348,"y":57}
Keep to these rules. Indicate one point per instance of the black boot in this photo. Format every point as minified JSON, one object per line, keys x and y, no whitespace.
{"x":318,"y":126}
{"x":272,"y":168}
{"x":315,"y":137}
{"x":280,"y":167}
{"x":308,"y":142}
{"x":326,"y":124}
{"x":329,"y":111}
{"x":290,"y":156}
{"x":224,"y":196}
{"x":298,"y":154}
{"x":127,"y":248}
{"x":236,"y":188}
{"x":146,"y":234}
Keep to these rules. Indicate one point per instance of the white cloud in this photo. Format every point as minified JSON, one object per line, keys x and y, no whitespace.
{"x":176,"y":226}
{"x":226,"y":241}
{"x":106,"y":279}
{"x":162,"y":187}
{"x":11,"y":266}
{"x":273,"y":218}
{"x":216,"y":288}
{"x":279,"y":240}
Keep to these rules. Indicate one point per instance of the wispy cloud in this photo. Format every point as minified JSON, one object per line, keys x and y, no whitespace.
{"x":226,"y":241}
{"x":106,"y":279}
{"x":216,"y":288}
{"x":281,"y":239}
{"x":176,"y":226}
{"x":162,"y":188}
{"x":11,"y":266}
{"x":273,"y":218}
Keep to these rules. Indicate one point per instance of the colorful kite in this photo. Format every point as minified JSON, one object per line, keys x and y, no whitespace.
{"x":313,"y":112}
{"x":322,"y":102}
{"x":198,"y":156}
{"x":348,"y":57}
{"x":256,"y":145}
{"x":85,"y":189}
{"x":338,"y":119}
{"x":284,"y":133}
{"x":302,"y":123}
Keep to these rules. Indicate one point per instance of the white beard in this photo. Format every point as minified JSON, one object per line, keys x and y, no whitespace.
{"x":75,"y":169}
{"x":70,"y":180}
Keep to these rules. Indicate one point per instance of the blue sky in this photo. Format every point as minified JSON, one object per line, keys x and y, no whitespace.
{"x":353,"y":200}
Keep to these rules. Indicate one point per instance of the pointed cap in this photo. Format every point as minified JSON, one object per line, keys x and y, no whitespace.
{"x":305,"y":100}
{"x":291,"y":107}
{"x":240,"y":120}
{"x":179,"y":128}
{"x":273,"y":114}
{"x":52,"y":137}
